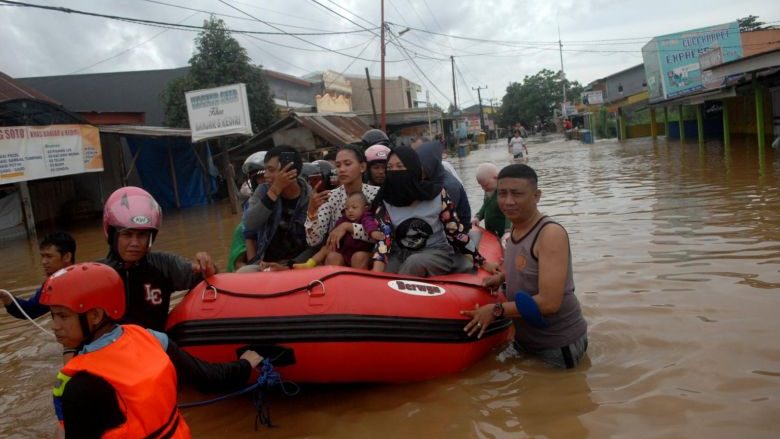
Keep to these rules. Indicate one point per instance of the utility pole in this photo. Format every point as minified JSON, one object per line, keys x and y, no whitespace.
{"x":371,"y":94}
{"x":428,"y":105}
{"x":454,"y":93}
{"x":481,"y":114}
{"x":563,"y":75}
{"x":383,"y":108}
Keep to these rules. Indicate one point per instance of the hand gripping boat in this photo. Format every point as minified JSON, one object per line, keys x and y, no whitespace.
{"x":337,"y":324}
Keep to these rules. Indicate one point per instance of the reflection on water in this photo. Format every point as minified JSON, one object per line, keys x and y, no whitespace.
{"x":677,"y":265}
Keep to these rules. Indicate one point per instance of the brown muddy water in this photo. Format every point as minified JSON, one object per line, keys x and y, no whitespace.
{"x":677,"y":265}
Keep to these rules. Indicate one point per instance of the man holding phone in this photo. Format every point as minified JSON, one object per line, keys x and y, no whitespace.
{"x":277,"y":212}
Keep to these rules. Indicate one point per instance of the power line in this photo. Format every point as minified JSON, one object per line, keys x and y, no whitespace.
{"x":231,"y":16}
{"x":344,"y":17}
{"x":555,"y":43}
{"x":257,"y":46}
{"x":129,"y":48}
{"x":353,"y":14}
{"x":350,"y":64}
{"x":403,"y":49}
{"x":167,"y":24}
{"x":287,"y":33}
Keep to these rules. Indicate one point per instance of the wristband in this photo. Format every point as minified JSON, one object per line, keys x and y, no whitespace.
{"x":529,"y":310}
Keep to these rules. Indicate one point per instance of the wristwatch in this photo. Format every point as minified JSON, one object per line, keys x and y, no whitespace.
{"x":498,"y":310}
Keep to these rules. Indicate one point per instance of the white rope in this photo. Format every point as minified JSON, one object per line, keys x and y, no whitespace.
{"x":25,"y":314}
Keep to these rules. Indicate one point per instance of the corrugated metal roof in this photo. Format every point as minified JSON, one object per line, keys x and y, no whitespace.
{"x":337,"y":129}
{"x":11,"y":89}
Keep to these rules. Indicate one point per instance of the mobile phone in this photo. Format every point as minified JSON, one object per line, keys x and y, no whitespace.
{"x":285,"y":158}
{"x":314,"y":180}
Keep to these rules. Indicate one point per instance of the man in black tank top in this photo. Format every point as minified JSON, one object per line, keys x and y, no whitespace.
{"x":538,"y":274}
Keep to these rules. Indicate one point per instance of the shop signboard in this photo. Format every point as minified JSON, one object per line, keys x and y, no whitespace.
{"x":35,"y":152}
{"x":673,"y":62}
{"x":594,"y":97}
{"x":218,"y":112}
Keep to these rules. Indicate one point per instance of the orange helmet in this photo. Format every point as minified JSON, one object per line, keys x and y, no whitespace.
{"x":85,"y":286}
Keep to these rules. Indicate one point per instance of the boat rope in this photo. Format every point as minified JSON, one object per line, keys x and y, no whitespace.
{"x":268,"y":377}
{"x":321,"y":281}
{"x":13,"y":299}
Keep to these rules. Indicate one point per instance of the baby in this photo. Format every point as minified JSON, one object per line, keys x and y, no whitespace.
{"x":350,"y":251}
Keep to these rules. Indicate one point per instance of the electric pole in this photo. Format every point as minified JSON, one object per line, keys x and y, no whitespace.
{"x":371,"y":95}
{"x":382,"y":99}
{"x":481,"y":115}
{"x":563,"y":75}
{"x":454,"y":93}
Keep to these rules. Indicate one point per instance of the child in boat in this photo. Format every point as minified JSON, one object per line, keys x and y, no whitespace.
{"x":356,"y":210}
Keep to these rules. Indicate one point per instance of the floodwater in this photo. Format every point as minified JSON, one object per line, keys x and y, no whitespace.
{"x":677,"y":264}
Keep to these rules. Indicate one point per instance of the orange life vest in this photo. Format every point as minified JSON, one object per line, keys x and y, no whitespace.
{"x":145,"y":382}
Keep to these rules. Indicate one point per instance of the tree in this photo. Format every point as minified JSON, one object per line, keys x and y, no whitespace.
{"x":219,"y":60}
{"x":536,"y":98}
{"x":750,"y":23}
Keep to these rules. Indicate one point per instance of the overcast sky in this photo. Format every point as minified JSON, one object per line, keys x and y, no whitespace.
{"x":524,"y":34}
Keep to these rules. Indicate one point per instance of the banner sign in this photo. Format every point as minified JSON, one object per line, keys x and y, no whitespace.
{"x":594,"y":97}
{"x":218,"y":111}
{"x":673,"y":63}
{"x":34,"y":152}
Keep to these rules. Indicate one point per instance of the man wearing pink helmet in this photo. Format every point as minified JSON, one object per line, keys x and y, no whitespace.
{"x":376,"y":157}
{"x":131,"y":220}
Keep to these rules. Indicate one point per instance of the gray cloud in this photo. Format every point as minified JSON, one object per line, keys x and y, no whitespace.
{"x":40,"y":43}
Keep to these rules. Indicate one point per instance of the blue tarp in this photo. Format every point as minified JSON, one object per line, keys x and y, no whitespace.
{"x":153,"y":165}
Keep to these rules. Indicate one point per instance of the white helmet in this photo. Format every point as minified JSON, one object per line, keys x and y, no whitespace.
{"x":254,"y":164}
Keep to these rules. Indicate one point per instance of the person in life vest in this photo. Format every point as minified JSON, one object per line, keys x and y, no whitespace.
{"x":121,"y":383}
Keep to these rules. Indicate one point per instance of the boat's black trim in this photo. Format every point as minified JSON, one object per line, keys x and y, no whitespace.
{"x":326,"y":328}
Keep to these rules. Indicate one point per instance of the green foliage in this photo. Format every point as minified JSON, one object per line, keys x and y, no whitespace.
{"x":536,"y":98}
{"x":750,"y":23}
{"x":219,"y":60}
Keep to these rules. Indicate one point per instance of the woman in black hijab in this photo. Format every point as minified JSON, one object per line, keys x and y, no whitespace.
{"x":418,"y":220}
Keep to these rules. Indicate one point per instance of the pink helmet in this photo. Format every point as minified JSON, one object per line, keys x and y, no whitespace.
{"x":131,"y":207}
{"x":377,"y":153}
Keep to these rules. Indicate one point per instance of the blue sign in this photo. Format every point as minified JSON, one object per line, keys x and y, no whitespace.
{"x":672,"y":62}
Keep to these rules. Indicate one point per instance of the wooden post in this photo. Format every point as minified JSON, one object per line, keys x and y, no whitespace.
{"x":759,"y":94}
{"x":726,"y":127}
{"x":123,"y":140}
{"x":173,"y":176}
{"x":700,"y":124}
{"x":653,"y":128}
{"x":681,"y":123}
{"x":223,"y":163}
{"x":622,"y":124}
{"x":666,"y":122}
{"x":206,"y":181}
{"x":29,"y":218}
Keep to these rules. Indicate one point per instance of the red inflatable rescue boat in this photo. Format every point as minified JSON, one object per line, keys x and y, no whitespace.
{"x":337,"y":324}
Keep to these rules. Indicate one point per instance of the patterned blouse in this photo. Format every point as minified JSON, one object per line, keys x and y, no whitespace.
{"x":453,"y":228}
{"x":331,"y":211}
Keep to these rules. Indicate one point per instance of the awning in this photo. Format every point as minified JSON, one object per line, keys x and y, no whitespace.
{"x":138,"y":130}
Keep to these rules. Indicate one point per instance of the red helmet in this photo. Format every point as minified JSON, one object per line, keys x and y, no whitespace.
{"x":131,"y":207}
{"x":377,"y":153}
{"x":85,"y":286}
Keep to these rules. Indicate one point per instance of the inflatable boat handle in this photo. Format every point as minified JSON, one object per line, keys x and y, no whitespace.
{"x":309,"y":289}
{"x":212,"y":298}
